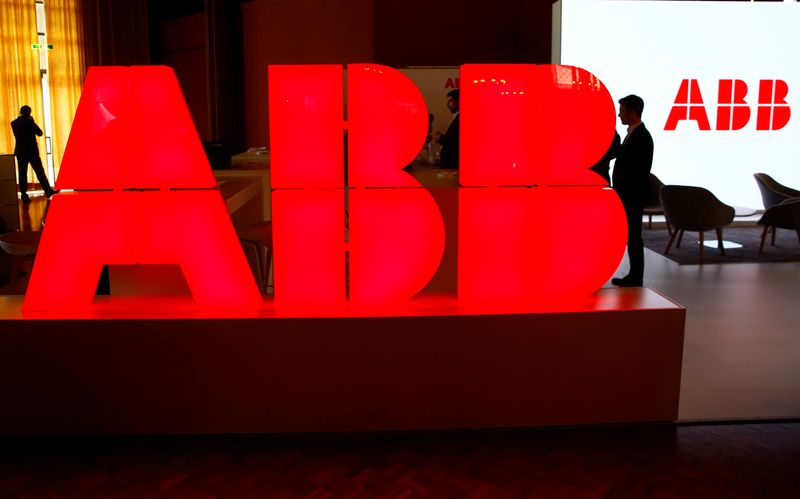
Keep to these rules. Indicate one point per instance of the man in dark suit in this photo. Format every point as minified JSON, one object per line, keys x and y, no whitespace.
{"x":449,"y":141}
{"x":27,"y":152}
{"x":632,"y":184}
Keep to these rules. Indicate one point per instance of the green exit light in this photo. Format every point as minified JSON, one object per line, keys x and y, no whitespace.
{"x":40,"y":46}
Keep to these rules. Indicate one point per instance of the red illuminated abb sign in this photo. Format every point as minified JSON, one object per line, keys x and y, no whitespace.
{"x":733,"y":111}
{"x":534,"y":224}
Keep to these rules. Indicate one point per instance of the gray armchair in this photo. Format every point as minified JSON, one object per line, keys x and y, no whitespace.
{"x":773,"y":193}
{"x":781,"y":216}
{"x":694,"y":209}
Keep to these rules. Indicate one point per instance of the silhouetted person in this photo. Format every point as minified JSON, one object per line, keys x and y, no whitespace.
{"x":448,"y":157}
{"x":427,"y":154}
{"x":632,"y":183}
{"x":602,"y":167}
{"x":27,"y":152}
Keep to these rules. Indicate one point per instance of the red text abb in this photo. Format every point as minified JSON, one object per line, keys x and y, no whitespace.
{"x":772,"y":112}
{"x":534,"y":224}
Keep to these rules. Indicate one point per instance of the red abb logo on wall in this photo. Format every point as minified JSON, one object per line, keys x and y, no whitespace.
{"x":534,"y":224}
{"x":733,"y":111}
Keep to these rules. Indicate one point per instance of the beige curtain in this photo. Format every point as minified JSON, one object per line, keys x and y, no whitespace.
{"x":66,"y":67}
{"x":19,"y":68}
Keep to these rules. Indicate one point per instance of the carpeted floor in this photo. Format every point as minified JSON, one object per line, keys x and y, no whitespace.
{"x":709,"y":461}
{"x":786,"y":249}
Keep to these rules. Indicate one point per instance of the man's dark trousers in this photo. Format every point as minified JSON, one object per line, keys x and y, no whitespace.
{"x":38,"y":169}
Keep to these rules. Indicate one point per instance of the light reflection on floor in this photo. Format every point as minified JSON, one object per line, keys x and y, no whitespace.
{"x":742,"y":342}
{"x":725,"y":244}
{"x":32,"y":214}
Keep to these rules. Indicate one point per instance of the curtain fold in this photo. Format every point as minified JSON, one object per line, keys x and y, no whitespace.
{"x":67,"y":68}
{"x":19,"y":68}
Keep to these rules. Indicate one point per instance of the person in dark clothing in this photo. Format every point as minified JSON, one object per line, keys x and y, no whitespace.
{"x":449,"y":140}
{"x":27,"y":152}
{"x":602,"y":167}
{"x":631,"y":181}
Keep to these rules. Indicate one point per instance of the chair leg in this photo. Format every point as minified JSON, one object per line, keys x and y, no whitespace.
{"x":671,"y":239}
{"x":719,"y":241}
{"x":702,"y":240}
{"x":680,"y":237}
{"x":774,"y":230}
{"x":763,"y":239}
{"x":669,"y":228}
{"x":649,"y":222}
{"x":798,"y":235}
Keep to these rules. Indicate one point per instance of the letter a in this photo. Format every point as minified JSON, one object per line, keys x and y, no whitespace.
{"x":132,"y":130}
{"x":688,"y":106}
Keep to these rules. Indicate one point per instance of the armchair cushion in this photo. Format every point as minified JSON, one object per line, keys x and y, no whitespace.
{"x":694,"y":208}
{"x":785,"y":215}
{"x":773,"y":193}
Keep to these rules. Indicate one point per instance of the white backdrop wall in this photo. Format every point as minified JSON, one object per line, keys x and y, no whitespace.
{"x":648,"y":48}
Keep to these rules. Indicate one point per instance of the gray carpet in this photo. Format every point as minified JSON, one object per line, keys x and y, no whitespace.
{"x":786,"y":249}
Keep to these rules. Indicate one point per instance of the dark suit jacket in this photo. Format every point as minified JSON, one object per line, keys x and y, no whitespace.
{"x":25,"y":132}
{"x":602,"y":166}
{"x":449,"y":143}
{"x":631,"y":177}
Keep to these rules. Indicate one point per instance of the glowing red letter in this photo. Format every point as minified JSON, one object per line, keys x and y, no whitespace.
{"x":115,"y":146}
{"x":386,"y":126}
{"x":532,"y":132}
